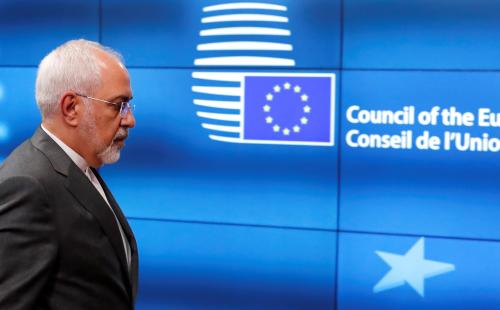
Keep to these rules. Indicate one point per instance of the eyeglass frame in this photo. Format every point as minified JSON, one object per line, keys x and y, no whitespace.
{"x":125,"y":106}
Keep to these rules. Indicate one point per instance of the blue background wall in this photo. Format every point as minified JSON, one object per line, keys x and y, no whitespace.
{"x":243,"y":226}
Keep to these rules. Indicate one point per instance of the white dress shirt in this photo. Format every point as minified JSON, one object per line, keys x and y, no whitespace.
{"x":84,"y":166}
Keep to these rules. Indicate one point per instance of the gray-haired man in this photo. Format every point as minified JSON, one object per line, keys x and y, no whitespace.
{"x":64,"y":242}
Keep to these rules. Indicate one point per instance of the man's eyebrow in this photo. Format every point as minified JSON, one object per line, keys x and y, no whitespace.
{"x":121,"y":97}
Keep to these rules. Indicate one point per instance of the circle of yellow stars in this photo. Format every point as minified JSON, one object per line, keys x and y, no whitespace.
{"x":304,"y":98}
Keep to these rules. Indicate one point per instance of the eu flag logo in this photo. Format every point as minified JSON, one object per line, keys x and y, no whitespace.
{"x":288,"y":108}
{"x":259,"y":107}
{"x":267,"y":108}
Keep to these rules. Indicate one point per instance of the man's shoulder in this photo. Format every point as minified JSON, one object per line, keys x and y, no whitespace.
{"x":25,"y":160}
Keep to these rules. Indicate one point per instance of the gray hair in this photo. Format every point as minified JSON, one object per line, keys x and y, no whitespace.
{"x":73,"y":66}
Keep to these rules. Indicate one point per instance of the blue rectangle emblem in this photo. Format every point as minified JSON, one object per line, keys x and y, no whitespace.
{"x":288,"y":108}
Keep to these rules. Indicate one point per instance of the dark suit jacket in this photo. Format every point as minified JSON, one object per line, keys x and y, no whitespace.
{"x":60,"y":247}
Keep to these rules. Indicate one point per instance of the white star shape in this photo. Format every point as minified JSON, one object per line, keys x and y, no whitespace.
{"x":296,"y":89}
{"x":304,"y":97}
{"x":277,"y":89}
{"x":266,"y":108}
{"x":296,"y":128}
{"x":411,"y":268}
{"x":286,"y":131}
{"x":269,"y":119}
{"x":287,"y":85}
{"x":269,"y":97}
{"x":304,"y":120}
{"x":307,"y":109}
{"x":276,"y":128}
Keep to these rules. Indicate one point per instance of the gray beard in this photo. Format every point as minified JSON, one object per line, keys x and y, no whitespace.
{"x":108,"y":154}
{"x":111,"y":154}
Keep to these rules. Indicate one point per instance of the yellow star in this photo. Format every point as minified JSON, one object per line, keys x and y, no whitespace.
{"x":296,"y":89}
{"x":304,"y":120}
{"x":269,"y":119}
{"x":267,"y":108}
{"x":286,"y":131}
{"x":276,"y":128}
{"x":296,"y":128}
{"x":287,"y":85}
{"x":307,"y":109}
{"x":304,"y":97}
{"x":269,"y":97}
{"x":277,"y":89}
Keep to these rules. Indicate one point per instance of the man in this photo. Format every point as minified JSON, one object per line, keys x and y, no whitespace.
{"x":64,"y":242}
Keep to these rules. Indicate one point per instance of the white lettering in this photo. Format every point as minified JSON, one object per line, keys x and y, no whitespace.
{"x":355,"y":139}
{"x":356,"y":115}
{"x":488,"y":119}
{"x":465,"y":142}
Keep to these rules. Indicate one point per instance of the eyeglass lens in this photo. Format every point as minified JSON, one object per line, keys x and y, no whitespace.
{"x":126,"y":107}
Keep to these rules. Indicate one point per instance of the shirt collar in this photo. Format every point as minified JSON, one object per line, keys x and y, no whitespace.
{"x":75,"y":157}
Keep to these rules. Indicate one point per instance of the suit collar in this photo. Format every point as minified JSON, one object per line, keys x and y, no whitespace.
{"x":59,"y":160}
{"x":75,"y":157}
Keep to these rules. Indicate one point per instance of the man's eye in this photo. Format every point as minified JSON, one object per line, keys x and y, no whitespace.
{"x":117,"y":105}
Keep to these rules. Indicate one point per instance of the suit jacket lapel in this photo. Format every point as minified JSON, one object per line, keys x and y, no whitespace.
{"x":128,"y":232}
{"x":84,"y":191}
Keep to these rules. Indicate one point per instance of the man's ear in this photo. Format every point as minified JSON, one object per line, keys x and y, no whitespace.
{"x":71,"y":108}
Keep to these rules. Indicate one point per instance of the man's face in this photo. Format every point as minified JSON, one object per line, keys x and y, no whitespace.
{"x":105,"y":130}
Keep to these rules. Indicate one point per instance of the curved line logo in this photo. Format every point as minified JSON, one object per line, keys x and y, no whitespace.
{"x":258,"y":107}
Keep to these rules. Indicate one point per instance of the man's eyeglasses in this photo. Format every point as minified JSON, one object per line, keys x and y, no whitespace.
{"x":124,"y":106}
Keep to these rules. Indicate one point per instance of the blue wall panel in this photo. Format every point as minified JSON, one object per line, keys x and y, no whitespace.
{"x":19,"y":115}
{"x":29,"y":29}
{"x":416,"y":34}
{"x":447,"y":193}
{"x":191,"y":266}
{"x":472,"y":282}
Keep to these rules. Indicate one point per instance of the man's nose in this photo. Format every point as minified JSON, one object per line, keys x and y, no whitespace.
{"x":128,"y":121}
